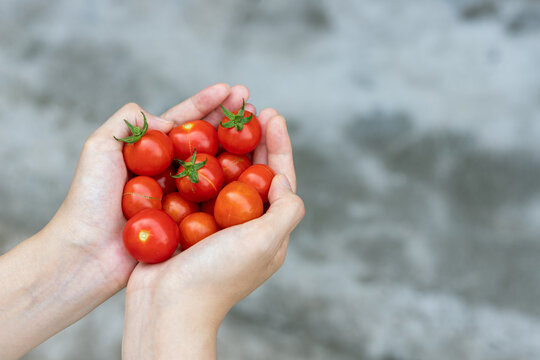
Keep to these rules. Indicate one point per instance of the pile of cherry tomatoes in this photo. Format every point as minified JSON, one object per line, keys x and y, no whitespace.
{"x":182,"y":191}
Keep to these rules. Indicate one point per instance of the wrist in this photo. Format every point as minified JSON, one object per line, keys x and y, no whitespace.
{"x":47,"y":286}
{"x":100,"y":252}
{"x":167,"y":328}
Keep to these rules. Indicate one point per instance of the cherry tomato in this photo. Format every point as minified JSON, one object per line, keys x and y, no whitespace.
{"x":260,"y":177}
{"x":233,"y":165}
{"x":166,"y":181}
{"x":239,"y":132}
{"x":177,"y":207}
{"x":208,"y":206}
{"x":141,"y":192}
{"x":151,"y":236}
{"x":200,"y":178}
{"x":237,"y":203}
{"x":196,"y":134}
{"x":196,"y":227}
{"x":147,"y":152}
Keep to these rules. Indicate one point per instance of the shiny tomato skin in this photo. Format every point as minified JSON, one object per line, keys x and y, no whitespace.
{"x":177,"y":207}
{"x":210,"y":180}
{"x":237,"y":203}
{"x":233,"y":165}
{"x":166,"y":181}
{"x":243,"y":141}
{"x":196,"y":227}
{"x":191,"y":135}
{"x":149,"y":156}
{"x":260,"y":177}
{"x":208,"y":206}
{"x":140,"y":192}
{"x":151,"y":236}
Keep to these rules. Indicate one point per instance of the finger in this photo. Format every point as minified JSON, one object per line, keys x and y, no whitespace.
{"x":278,"y":146}
{"x":199,"y":105}
{"x":115,"y":126}
{"x":233,"y":102}
{"x":285,"y":212}
{"x":260,"y":155}
{"x":251,"y":108}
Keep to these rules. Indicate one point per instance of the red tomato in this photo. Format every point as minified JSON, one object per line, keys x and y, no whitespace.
{"x":147,"y":152}
{"x":177,"y":207}
{"x":200,"y":178}
{"x":196,"y":227}
{"x":151,"y":236}
{"x":196,"y":134}
{"x":260,"y":177}
{"x":233,"y":165}
{"x":208,"y":206}
{"x":166,"y":181}
{"x":237,"y":203}
{"x":239,"y":132}
{"x":141,"y":192}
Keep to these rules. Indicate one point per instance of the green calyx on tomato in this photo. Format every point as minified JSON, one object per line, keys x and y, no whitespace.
{"x":190,"y":168}
{"x":136,"y":132}
{"x":237,"y":120}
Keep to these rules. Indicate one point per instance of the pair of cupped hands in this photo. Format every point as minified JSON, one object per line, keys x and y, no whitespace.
{"x":198,"y":286}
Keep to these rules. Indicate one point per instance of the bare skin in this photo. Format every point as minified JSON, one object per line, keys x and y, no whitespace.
{"x":78,"y":261}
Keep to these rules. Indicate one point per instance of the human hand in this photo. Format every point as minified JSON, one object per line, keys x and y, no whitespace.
{"x":176,"y":307}
{"x":77,"y":260}
{"x":90,"y":219}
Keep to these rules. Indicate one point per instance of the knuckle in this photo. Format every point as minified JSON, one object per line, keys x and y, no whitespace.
{"x":299,"y":207}
{"x":94,"y":143}
{"x":269,"y":111}
{"x":90,"y":143}
{"x":131,"y":107}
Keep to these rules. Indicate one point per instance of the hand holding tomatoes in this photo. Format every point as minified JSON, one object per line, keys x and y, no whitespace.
{"x":214,"y":274}
{"x":200,"y":177}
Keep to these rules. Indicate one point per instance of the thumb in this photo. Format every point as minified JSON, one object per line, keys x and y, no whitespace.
{"x":286,"y":208}
{"x":116,"y":126}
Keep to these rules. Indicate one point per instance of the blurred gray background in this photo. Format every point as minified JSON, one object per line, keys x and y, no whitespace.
{"x":415,"y":126}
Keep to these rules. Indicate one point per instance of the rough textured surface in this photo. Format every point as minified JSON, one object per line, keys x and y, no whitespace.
{"x":415,"y":128}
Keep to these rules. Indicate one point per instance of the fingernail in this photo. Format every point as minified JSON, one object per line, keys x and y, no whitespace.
{"x":285,"y":182}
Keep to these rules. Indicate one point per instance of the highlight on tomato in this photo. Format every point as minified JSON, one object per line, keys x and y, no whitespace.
{"x":146,"y":152}
{"x":239,"y":132}
{"x":237,"y":203}
{"x":151,"y":236}
{"x":199,"y":178}
{"x":260,"y":177}
{"x":191,"y":135}
{"x":140,"y":192}
{"x":195,"y":227}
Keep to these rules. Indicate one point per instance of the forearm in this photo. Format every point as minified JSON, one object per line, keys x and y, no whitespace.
{"x":46,"y":284}
{"x":156,"y":330}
